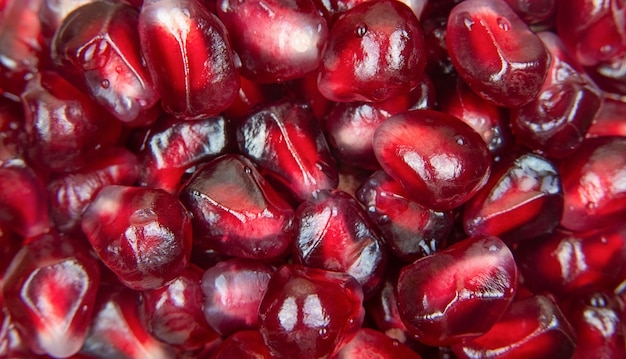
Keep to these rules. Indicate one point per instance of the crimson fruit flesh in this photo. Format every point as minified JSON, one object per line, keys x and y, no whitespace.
{"x":442,"y":170}
{"x":317,"y":179}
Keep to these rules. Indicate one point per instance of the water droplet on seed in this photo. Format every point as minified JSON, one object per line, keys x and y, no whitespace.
{"x":361,"y":30}
{"x":459,"y":140}
{"x":504,"y":24}
{"x":105,"y":83}
{"x":468,"y":22}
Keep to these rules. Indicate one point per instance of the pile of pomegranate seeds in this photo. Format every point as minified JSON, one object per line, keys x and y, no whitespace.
{"x":307,"y":179}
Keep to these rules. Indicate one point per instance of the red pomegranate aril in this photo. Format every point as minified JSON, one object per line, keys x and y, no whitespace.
{"x":610,"y":75}
{"x":12,"y":134}
{"x":172,"y":147}
{"x":488,"y":120}
{"x":599,"y":325}
{"x":23,"y":199}
{"x":556,"y":121}
{"x":50,"y":290}
{"x":53,"y":12}
{"x":309,"y":312}
{"x":20,"y":45}
{"x":173,"y":313}
{"x":12,"y":344}
{"x":371,"y":344}
{"x":531,"y":328}
{"x":249,"y":96}
{"x":97,"y":48}
{"x":64,"y":127}
{"x":574,"y":262}
{"x":535,"y":12}
{"x":233,"y":290}
{"x":382,"y":308}
{"x":292,"y":37}
{"x":71,"y":193}
{"x":375,"y":51}
{"x":439,"y":160}
{"x":496,"y":53}
{"x":236,"y":212}
{"x":611,"y":119}
{"x":409,"y":230}
{"x":285,"y":140}
{"x":334,"y":233}
{"x":459,"y":293}
{"x":592,"y":31}
{"x":594,"y":184}
{"x":245,"y":344}
{"x":523,"y":199}
{"x":350,"y":127}
{"x":117,"y":331}
{"x":188,"y":53}
{"x":143,"y":235}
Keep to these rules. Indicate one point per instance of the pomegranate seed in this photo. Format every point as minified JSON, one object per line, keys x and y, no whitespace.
{"x":97,"y":47}
{"x":189,"y":56}
{"x":172,"y":147}
{"x":53,"y":12}
{"x":71,"y":193}
{"x":286,"y":142}
{"x":459,"y":293}
{"x":598,"y":322}
{"x":592,"y":184}
{"x":23,"y":198}
{"x":592,"y":31}
{"x":243,"y":344}
{"x":143,"y":235}
{"x":50,"y":290}
{"x":117,"y":331}
{"x":334,"y":233}
{"x":293,"y":35}
{"x":173,"y":313}
{"x":533,"y":327}
{"x":409,"y":230}
{"x":370,"y":344}
{"x":309,"y":312}
{"x":233,"y":290}
{"x":556,"y":122}
{"x":486,"y":119}
{"x":20,"y":45}
{"x":64,"y":127}
{"x":443,"y":170}
{"x":496,"y":53}
{"x":523,"y":199}
{"x":211,"y":153}
{"x":535,"y":12}
{"x":574,"y":262}
{"x":374,"y":51}
{"x":383,"y":308}
{"x":236,"y":212}
{"x":610,"y":120}
{"x":350,"y":127}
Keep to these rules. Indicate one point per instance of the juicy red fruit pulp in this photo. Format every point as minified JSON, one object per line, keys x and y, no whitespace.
{"x":312,"y":179}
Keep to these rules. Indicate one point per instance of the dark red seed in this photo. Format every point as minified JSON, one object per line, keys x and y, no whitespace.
{"x":459,"y":293}
{"x":442,"y":170}
{"x":143,"y":235}
{"x":188,"y":53}
{"x":375,"y":51}
{"x":496,"y":53}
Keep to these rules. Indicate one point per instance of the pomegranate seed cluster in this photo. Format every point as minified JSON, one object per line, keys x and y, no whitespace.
{"x":309,"y":179}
